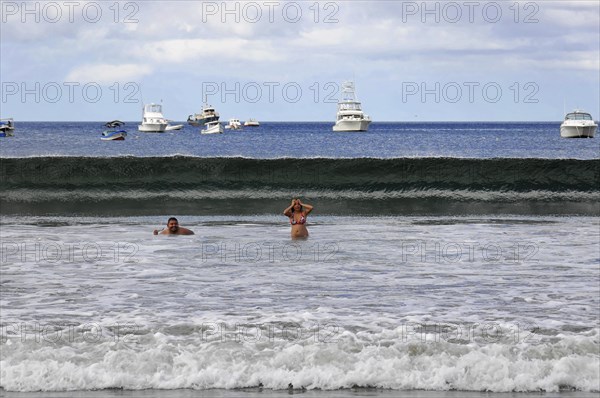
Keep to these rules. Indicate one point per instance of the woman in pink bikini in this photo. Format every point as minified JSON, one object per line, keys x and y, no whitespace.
{"x":297,"y":213}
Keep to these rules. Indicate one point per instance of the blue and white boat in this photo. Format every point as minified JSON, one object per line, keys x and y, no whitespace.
{"x":115,"y":132}
{"x":7,"y":127}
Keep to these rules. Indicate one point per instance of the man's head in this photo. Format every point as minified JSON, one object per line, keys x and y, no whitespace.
{"x":173,"y":224}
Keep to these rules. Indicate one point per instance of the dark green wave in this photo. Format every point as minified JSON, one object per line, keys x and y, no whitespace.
{"x":134,"y":185}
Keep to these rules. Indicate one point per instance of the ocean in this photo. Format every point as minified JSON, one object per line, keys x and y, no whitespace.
{"x":444,"y":260}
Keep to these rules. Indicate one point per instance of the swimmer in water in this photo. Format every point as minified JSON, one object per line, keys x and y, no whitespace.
{"x":173,"y":228}
{"x":297,"y":213}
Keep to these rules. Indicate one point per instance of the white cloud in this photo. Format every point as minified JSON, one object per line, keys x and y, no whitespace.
{"x":108,"y":74}
{"x":574,"y":14}
{"x":211,"y":51}
{"x":177,"y":46}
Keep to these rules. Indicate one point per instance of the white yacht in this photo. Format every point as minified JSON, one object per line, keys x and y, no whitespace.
{"x":153,"y":120}
{"x":350,"y":116}
{"x":578,"y":124}
{"x":207,"y":114}
{"x":214,"y":127}
{"x":7,"y":127}
{"x":252,"y":123}
{"x":234,"y":124}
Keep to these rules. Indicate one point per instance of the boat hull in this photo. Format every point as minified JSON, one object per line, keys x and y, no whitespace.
{"x":176,"y":127}
{"x":120,"y":138}
{"x":7,"y":127}
{"x":578,"y":131}
{"x":218,"y":129}
{"x":153,"y":128}
{"x":351,"y":125}
{"x":113,"y":136}
{"x":201,"y":121}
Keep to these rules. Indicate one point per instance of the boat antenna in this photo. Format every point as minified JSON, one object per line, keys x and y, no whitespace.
{"x":141,"y":97}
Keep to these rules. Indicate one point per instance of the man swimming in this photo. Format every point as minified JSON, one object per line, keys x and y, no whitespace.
{"x":173,"y":228}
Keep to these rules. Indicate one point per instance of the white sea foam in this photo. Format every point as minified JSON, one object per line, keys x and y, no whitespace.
{"x":507,"y":304}
{"x":158,"y":361}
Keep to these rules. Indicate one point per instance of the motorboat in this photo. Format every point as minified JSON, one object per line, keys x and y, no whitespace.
{"x":234,"y":124}
{"x":174,"y":127}
{"x":7,"y":127}
{"x":214,"y":127}
{"x":578,"y":124}
{"x":114,"y":132}
{"x":207,"y":114}
{"x":153,"y":120}
{"x":252,"y":123}
{"x":350,"y":116}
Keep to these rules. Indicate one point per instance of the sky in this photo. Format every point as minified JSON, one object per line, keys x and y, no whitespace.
{"x":411,"y":61}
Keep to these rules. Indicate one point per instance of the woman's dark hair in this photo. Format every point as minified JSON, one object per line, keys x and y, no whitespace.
{"x":301,"y":208}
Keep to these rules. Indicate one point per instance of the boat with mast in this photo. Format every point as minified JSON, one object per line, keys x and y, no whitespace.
{"x":350,"y":116}
{"x":207,"y":114}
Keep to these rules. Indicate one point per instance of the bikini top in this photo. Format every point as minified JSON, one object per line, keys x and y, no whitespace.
{"x":301,"y":221}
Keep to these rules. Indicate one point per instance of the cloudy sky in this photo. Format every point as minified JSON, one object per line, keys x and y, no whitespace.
{"x":285,"y":60}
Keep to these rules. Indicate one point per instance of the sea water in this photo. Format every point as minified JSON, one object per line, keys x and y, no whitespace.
{"x":454,"y":274}
{"x":306,"y":140}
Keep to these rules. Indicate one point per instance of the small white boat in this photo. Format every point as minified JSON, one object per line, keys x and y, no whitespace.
{"x":350,"y":116}
{"x":115,"y":133}
{"x":252,"y":123}
{"x":234,"y":124}
{"x":207,"y":114}
{"x":175,"y":127}
{"x":578,"y":124}
{"x":213,"y":127}
{"x":153,"y":120}
{"x":7,"y":127}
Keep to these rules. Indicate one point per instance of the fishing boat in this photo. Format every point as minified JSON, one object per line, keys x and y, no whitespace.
{"x":578,"y":124}
{"x":7,"y":127}
{"x":153,"y":120}
{"x":114,"y":132}
{"x":350,"y":116}
{"x":207,"y":114}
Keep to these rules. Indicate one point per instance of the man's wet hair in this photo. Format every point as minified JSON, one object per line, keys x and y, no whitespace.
{"x":172,"y":219}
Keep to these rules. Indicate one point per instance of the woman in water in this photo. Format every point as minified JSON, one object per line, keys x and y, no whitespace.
{"x":297,"y":213}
